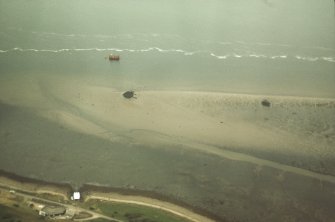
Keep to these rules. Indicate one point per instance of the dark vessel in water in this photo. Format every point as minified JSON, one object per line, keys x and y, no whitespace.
{"x":112,"y":57}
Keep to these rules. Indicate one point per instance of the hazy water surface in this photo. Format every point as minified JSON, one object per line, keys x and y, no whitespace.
{"x":63,"y":117}
{"x":258,"y":46}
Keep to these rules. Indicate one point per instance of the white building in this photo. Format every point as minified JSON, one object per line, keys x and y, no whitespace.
{"x":75,"y":196}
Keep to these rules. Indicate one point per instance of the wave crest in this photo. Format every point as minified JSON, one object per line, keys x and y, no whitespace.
{"x":178,"y":51}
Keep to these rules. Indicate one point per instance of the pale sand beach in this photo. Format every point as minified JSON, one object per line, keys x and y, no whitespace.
{"x":207,"y":121}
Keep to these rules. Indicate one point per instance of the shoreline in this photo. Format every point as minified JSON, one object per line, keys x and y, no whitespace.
{"x":112,"y":194}
{"x":31,"y":185}
{"x":255,"y":96}
{"x":239,"y":94}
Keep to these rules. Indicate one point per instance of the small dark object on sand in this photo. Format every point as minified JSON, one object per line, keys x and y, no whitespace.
{"x":266,"y":103}
{"x":129,"y":94}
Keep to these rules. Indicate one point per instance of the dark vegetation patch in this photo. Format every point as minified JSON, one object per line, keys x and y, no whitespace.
{"x":266,"y":103}
{"x":129,"y":94}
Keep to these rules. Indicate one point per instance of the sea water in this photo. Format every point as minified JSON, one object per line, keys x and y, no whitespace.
{"x":63,"y":117}
{"x":258,"y":46}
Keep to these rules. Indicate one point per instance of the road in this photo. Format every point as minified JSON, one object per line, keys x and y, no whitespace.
{"x":176,"y":210}
{"x":69,"y":207}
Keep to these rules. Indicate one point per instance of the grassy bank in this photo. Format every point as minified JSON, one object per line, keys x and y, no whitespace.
{"x":131,"y":212}
{"x":16,"y":208}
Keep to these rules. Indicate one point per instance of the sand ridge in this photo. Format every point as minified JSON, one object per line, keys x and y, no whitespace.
{"x":173,"y":114}
{"x":204,"y":121}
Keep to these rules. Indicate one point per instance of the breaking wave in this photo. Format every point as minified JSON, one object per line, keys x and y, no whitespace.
{"x":179,"y":51}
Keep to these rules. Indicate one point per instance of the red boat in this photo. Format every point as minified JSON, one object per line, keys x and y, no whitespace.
{"x":112,"y":57}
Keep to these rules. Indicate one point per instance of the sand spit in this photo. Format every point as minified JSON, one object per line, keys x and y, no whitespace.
{"x":291,"y":126}
{"x":119,"y":195}
{"x":214,"y":118}
{"x":295,"y":131}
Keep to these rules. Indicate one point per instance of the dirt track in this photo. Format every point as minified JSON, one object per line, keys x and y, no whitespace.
{"x":149,"y":202}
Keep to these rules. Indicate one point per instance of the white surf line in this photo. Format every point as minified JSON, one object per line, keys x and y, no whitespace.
{"x":157,"y":206}
{"x":254,"y":55}
{"x":102,"y":50}
{"x":181,"y":51}
{"x":268,"y":44}
{"x":258,"y":161}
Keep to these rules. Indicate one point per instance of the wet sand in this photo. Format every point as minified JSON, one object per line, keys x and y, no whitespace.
{"x":212,"y":150}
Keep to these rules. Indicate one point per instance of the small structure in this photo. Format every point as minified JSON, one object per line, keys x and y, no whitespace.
{"x":52,"y":211}
{"x":75,"y":196}
{"x":112,"y":57}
